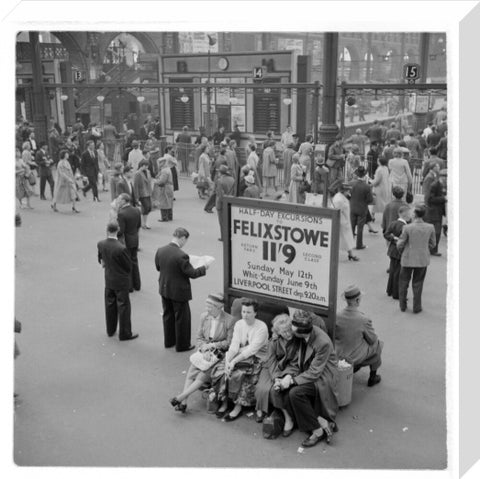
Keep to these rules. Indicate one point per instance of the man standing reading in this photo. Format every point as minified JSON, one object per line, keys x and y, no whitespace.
{"x":175,"y":290}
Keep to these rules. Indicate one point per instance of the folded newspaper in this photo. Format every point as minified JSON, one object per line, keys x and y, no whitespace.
{"x":197,"y":261}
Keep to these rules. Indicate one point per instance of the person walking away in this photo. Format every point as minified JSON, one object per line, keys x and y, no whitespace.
{"x":436,"y":202}
{"x":400,"y":173}
{"x":89,"y":168}
{"x":44,"y":163}
{"x":382,"y":190}
{"x":361,"y":197}
{"x":129,"y":222}
{"x":414,"y":244}
{"x":224,"y":186}
{"x":172,"y":163}
{"x":65,"y":188}
{"x":142,"y":185}
{"x":114,"y":258}
{"x":175,"y":289}
{"x":392,"y":234}
{"x":287,"y":162}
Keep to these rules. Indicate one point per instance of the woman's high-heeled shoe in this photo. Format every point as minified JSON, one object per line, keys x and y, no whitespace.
{"x":54,"y":208}
{"x":75,"y":210}
{"x":181,"y":408}
{"x":175,"y":402}
{"x":352,"y":258}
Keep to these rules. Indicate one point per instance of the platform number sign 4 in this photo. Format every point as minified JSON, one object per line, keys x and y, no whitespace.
{"x":411,"y":72}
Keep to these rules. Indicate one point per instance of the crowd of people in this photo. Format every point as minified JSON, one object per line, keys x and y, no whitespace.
{"x":279,"y":361}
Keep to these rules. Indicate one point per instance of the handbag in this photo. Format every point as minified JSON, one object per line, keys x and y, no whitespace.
{"x":206,"y":360}
{"x":273,"y":425}
{"x":31,"y":179}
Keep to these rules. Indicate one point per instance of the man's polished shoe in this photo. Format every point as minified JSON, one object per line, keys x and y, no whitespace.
{"x":361,"y":247}
{"x":419,"y":310}
{"x":188,"y":349}
{"x":312,"y":440}
{"x":436,"y":254}
{"x":372,"y":380}
{"x":208,"y":211}
{"x":133,"y":336}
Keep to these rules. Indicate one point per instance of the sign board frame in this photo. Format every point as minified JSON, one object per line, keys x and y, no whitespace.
{"x":261,"y":214}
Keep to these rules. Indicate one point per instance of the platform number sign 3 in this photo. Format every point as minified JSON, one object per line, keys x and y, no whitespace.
{"x":411,"y":72}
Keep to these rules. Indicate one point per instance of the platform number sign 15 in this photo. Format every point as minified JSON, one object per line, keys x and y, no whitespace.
{"x":411,"y":72}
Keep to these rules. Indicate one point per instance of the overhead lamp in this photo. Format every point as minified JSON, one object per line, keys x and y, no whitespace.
{"x":140,"y":98}
{"x":100,"y":98}
{"x":63,"y":97}
{"x":287,"y":101}
{"x":184,"y":98}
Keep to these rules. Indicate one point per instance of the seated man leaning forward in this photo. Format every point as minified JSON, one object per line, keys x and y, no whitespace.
{"x":234,"y":379}
{"x":214,"y":337}
{"x":309,"y":396}
{"x":355,"y":338}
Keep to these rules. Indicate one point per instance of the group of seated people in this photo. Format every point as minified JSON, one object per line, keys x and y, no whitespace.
{"x":293,"y":374}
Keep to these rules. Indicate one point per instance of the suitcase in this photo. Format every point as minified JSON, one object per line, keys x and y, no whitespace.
{"x":273,"y":425}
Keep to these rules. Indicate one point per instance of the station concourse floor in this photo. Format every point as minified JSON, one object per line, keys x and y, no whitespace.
{"x":89,"y":400}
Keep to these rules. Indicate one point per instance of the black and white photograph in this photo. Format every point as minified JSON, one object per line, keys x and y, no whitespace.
{"x":231,"y":245}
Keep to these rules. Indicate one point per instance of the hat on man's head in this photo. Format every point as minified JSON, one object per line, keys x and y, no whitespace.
{"x":223,"y":169}
{"x":302,"y":320}
{"x":118,"y":166}
{"x":249,"y":179}
{"x":217,"y":299}
{"x":339,"y":137}
{"x":352,"y":292}
{"x":134,"y":143}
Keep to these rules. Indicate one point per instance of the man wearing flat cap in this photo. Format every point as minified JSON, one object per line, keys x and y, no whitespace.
{"x":361,"y":197}
{"x":355,"y":338}
{"x":224,"y":186}
{"x":310,"y":394}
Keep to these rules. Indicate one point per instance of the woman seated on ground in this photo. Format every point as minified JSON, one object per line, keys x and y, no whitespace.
{"x":234,"y":378}
{"x":277,"y":364}
{"x":214,"y":336}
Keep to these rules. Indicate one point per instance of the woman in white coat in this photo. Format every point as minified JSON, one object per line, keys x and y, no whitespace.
{"x":400,"y":174}
{"x":382,"y":189}
{"x":339,"y":201}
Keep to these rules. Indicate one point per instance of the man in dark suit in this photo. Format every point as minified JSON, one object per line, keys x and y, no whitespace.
{"x":361,"y":197}
{"x":391,"y":209}
{"x":175,"y":290}
{"x":44,"y":170}
{"x":415,"y":243}
{"x":392,"y":234}
{"x":125,"y":184}
{"x":114,"y":257}
{"x":436,"y":201}
{"x":89,"y":168}
{"x":129,"y":222}
{"x":355,"y":338}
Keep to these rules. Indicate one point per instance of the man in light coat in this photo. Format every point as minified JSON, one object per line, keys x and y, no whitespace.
{"x":415,"y":243}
